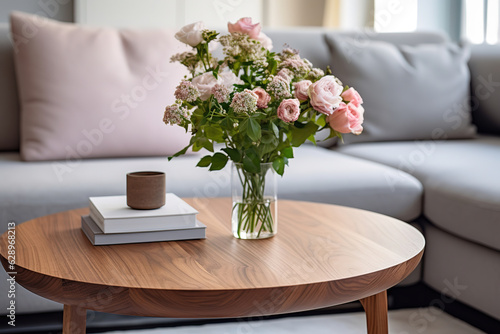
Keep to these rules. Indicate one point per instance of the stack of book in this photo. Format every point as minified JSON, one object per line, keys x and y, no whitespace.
{"x":111,"y":222}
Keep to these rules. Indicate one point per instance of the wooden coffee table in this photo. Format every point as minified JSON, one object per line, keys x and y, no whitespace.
{"x":323,"y":255}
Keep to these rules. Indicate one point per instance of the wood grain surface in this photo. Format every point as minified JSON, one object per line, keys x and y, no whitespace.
{"x":323,"y":255}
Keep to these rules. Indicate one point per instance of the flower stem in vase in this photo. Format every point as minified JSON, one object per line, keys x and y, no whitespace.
{"x":254,"y":213}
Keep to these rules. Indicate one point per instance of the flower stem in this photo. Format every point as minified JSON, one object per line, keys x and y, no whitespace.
{"x":253,"y":211}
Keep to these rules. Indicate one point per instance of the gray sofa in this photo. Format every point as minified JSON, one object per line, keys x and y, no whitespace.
{"x":450,"y":185}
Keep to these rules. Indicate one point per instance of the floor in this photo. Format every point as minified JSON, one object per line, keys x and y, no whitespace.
{"x":409,"y":321}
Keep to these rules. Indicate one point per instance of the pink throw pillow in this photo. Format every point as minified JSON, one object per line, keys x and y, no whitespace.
{"x":94,"y":92}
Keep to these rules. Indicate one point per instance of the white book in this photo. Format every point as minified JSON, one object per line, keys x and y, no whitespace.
{"x":112,"y":215}
{"x":98,"y":238}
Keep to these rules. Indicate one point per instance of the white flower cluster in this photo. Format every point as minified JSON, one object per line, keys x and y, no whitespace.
{"x":244,"y":102}
{"x":241,"y":45}
{"x":175,"y":114}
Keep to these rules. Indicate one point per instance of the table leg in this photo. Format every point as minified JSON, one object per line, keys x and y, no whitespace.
{"x":376,"y":313}
{"x":74,"y":319}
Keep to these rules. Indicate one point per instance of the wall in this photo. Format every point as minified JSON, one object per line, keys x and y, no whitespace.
{"x":442,"y":15}
{"x":288,"y":13}
{"x":165,"y":13}
{"x":172,"y":13}
{"x":57,"y":9}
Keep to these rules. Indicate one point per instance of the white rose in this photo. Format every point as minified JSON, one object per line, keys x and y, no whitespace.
{"x":229,"y":79}
{"x":191,"y":34}
{"x":204,"y":83}
{"x":265,"y":41}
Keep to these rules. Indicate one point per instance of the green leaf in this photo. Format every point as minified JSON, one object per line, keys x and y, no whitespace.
{"x":279,"y":165}
{"x":214,"y":132}
{"x":205,"y":161}
{"x":334,"y":134}
{"x":243,"y":126}
{"x":275,"y":129}
{"x":283,"y":145}
{"x":321,"y":120}
{"x":203,"y":142}
{"x":273,"y":65}
{"x":219,"y":161}
{"x":300,"y":135}
{"x":181,"y":152}
{"x":288,"y":152}
{"x":269,"y":138}
{"x":208,"y":145}
{"x":227,"y":123}
{"x":233,"y":153}
{"x":216,"y":72}
{"x":253,"y":129}
{"x":312,"y":139}
{"x":267,"y":148}
{"x":236,"y":67}
{"x":251,"y":161}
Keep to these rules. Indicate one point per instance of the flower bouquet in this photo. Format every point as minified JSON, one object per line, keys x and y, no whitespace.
{"x":260,"y":104}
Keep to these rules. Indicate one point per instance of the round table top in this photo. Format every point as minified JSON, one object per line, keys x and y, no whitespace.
{"x":329,"y":253}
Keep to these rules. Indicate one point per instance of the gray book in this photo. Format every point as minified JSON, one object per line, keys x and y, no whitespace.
{"x":112,"y":215}
{"x":98,"y":237}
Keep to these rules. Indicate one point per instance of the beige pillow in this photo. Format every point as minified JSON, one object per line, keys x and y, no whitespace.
{"x":94,"y":92}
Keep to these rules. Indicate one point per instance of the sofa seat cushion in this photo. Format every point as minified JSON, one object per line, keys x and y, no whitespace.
{"x":322,"y":175}
{"x":460,"y":178}
{"x":34,"y":189}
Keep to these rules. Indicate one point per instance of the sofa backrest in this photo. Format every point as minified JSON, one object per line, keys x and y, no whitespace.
{"x":9,"y":103}
{"x":484,"y":66}
{"x":311,"y":41}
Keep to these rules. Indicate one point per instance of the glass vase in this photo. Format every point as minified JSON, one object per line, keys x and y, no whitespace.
{"x":255,"y":209}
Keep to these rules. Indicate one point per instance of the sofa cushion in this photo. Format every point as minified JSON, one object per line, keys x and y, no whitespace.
{"x":409,"y":92}
{"x":94,"y":92}
{"x":329,"y":177}
{"x":9,"y":110}
{"x":315,"y":174}
{"x":484,"y":66}
{"x":460,"y":178}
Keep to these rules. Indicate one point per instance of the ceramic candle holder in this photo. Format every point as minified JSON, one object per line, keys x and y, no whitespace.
{"x":146,"y":190}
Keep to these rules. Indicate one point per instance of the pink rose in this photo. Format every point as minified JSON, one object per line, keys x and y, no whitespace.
{"x":244,"y":25}
{"x":325,"y":94}
{"x":205,"y":83}
{"x":289,"y":110}
{"x":263,"y":97}
{"x":352,"y":96}
{"x":301,"y":88}
{"x":347,"y":118}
